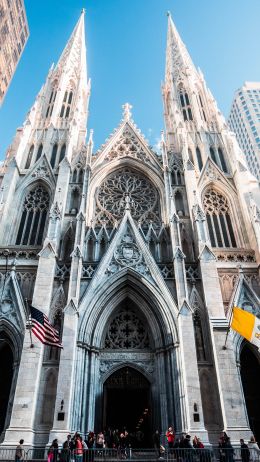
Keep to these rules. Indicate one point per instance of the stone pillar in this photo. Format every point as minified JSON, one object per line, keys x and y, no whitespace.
{"x":65,"y":386}
{"x":230,"y":389}
{"x":25,"y":400}
{"x":189,"y":368}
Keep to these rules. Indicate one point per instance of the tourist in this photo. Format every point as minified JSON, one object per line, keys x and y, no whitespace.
{"x":79,"y":448}
{"x":245,"y":453}
{"x":100,"y":442}
{"x":20,"y":452}
{"x":156,"y":442}
{"x":50,"y":453}
{"x":122,"y":446}
{"x":228,"y":450}
{"x":66,"y":448}
{"x":55,"y":446}
{"x":254,"y":449}
{"x":90,"y":444}
{"x":197,"y":444}
{"x":170,"y":435}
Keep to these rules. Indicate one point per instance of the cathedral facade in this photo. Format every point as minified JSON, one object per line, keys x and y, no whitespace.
{"x":136,"y":257}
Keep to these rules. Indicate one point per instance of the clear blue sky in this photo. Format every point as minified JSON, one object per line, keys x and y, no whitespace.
{"x":126,"y":55}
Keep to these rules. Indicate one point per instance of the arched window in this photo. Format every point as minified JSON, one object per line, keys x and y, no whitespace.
{"x":75,"y":200}
{"x":62,"y":152}
{"x":51,"y":103}
{"x":199,"y":158}
{"x":54,"y":155}
{"x":179,"y":204}
{"x":185,"y":105}
{"x":32,"y":224}
{"x":39,"y":152}
{"x":177,"y":176}
{"x":213,"y":155}
{"x":202,"y":108}
{"x":29,"y":157}
{"x":219,"y":220}
{"x":190,"y":155}
{"x":77,"y":174}
{"x":66,"y":104}
{"x":222,"y":160}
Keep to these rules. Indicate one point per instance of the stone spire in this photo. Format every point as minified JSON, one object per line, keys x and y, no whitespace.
{"x":73,"y":56}
{"x":177,"y":56}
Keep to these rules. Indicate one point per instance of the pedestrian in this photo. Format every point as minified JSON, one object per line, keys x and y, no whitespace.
{"x":228,"y":450}
{"x":122,"y":446}
{"x":66,"y":448}
{"x":254,"y":449}
{"x":20,"y":452}
{"x":170,"y":435}
{"x":79,"y":448}
{"x":245,"y":453}
{"x":55,"y":446}
{"x":156,"y":442}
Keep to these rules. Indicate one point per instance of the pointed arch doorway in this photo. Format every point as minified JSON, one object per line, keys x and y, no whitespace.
{"x":6,"y":378}
{"x":250,"y":375}
{"x":127,"y":404}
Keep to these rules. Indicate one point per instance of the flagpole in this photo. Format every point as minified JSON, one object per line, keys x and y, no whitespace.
{"x":29,"y":322}
{"x":229,"y":327}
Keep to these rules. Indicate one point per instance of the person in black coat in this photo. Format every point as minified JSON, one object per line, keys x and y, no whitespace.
{"x":245,"y":453}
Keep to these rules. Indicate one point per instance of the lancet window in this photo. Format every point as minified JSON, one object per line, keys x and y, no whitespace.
{"x":62,"y":152}
{"x":66,"y":104}
{"x":39,"y":152}
{"x":202,"y":108}
{"x":199,"y":340}
{"x":199,"y":158}
{"x":185,"y":105}
{"x":54,"y":155}
{"x":218,"y":157}
{"x":34,"y":213}
{"x":51,"y":103}
{"x":77,"y":174}
{"x":29,"y":157}
{"x":219,"y":220}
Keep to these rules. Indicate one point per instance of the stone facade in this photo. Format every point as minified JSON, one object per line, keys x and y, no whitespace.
{"x":136,"y":257}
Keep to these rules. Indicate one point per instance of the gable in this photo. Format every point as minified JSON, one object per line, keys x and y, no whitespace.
{"x":127,"y":141}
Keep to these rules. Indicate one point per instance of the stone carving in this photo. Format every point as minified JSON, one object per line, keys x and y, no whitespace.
{"x":126,"y":331}
{"x":128,"y":145}
{"x":128,"y":255}
{"x":212,"y":173}
{"x":20,"y":254}
{"x":192,"y":273}
{"x":41,"y":171}
{"x":198,"y":213}
{"x":106,"y":366}
{"x":7,"y":308}
{"x":215,"y":202}
{"x":55,"y":212}
{"x":237,"y":255}
{"x":62,"y":271}
{"x":112,"y":193}
{"x":167,"y":271}
{"x":88,"y":271}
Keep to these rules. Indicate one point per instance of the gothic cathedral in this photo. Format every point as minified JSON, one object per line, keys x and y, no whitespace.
{"x":136,"y":257}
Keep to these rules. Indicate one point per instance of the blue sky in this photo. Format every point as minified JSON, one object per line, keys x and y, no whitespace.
{"x":126,"y":55}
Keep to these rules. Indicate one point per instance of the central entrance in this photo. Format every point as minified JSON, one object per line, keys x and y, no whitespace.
{"x":127,"y":404}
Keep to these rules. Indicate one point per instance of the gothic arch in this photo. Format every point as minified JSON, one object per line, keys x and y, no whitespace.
{"x":100,"y":173}
{"x":117,"y":367}
{"x":127,"y":283}
{"x":235,"y":213}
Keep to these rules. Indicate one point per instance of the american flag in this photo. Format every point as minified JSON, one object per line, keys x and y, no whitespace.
{"x":43,"y":330}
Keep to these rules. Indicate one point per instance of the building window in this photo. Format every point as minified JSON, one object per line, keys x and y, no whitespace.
{"x":213,"y":155}
{"x":199,"y":158}
{"x":51,"y":103}
{"x":54,"y":155}
{"x":29,"y":157}
{"x":219,"y":220}
{"x":62,"y":152}
{"x":39,"y":152}
{"x":66,"y":104}
{"x":32,"y":224}
{"x":185,"y":105}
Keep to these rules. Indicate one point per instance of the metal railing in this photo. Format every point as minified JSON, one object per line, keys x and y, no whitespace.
{"x":211,"y":454}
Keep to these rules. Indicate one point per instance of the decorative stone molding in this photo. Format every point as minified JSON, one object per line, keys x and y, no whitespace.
{"x":29,"y":254}
{"x":198,"y":213}
{"x":55,"y":212}
{"x":235,"y":255}
{"x":62,"y":271}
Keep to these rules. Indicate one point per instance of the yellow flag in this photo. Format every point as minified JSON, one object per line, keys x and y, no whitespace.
{"x":247,"y":325}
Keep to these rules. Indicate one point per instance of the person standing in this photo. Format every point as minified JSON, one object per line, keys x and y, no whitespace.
{"x":170,"y":435}
{"x":254,"y":449}
{"x":20,"y":452}
{"x":79,"y":448}
{"x":156,"y":442}
{"x":245,"y":453}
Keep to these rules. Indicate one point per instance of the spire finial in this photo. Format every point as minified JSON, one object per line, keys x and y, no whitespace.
{"x":83,"y":11}
{"x":127,"y":111}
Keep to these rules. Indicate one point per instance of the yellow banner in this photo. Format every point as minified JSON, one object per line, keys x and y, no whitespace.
{"x":243,"y":322}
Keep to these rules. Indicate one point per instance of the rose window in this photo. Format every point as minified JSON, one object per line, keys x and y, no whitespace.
{"x":126,"y":188}
{"x":126,"y":331}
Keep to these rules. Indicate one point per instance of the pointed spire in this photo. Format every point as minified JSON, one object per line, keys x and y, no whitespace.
{"x":177,"y":54}
{"x":74,"y":53}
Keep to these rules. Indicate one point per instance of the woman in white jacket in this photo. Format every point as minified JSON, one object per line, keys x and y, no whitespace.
{"x":254,"y":449}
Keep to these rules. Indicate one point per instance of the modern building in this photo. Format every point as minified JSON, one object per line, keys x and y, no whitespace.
{"x":136,"y":258}
{"x":244,"y":120}
{"x":14,"y":34}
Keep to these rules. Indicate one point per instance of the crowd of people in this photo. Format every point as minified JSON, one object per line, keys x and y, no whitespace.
{"x":183,"y":449}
